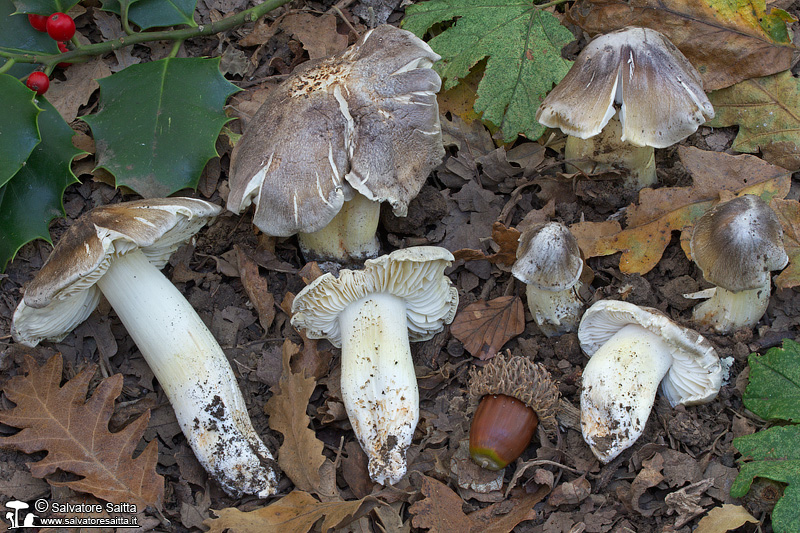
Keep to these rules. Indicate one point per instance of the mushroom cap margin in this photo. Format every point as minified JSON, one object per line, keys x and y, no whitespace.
{"x":548,"y":257}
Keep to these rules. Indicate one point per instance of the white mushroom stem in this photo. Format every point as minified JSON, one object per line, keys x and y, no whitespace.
{"x":379,"y":386}
{"x":606,"y":151}
{"x":556,"y":312}
{"x":619,"y":387}
{"x":194,"y":373}
{"x":349,"y":236}
{"x":727,"y":311}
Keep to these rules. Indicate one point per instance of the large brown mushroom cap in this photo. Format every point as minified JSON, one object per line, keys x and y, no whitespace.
{"x":548,"y":257}
{"x":660,"y":92}
{"x":738,"y":243}
{"x":63,"y":294}
{"x":365,"y":119}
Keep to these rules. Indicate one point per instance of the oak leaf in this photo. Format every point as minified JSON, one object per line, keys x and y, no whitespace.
{"x":256,"y":287}
{"x":74,"y":433}
{"x":788,"y":212}
{"x":318,"y":34}
{"x":725,"y":518}
{"x":726,"y":41}
{"x":650,"y":223}
{"x":300,"y":455}
{"x":440,"y":510}
{"x":767,"y":111}
{"x":506,"y":238}
{"x":295,"y":513}
{"x":484,"y":327}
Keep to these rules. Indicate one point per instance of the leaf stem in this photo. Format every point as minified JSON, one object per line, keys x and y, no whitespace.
{"x":126,"y":25}
{"x":6,"y":66}
{"x":551,"y":4}
{"x":227,"y":23}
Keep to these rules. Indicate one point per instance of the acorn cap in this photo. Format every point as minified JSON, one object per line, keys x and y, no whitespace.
{"x":365,"y":119}
{"x":548,"y":257}
{"x":63,"y":294}
{"x":415,"y":274}
{"x":660,"y":92}
{"x":737,"y":243}
{"x":520,"y":378}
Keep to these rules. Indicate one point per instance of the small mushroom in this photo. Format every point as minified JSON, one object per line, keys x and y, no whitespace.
{"x":659,"y":92}
{"x":632,"y":349}
{"x":117,"y":250}
{"x":511,"y":396}
{"x":549,"y":262}
{"x":337,"y":138}
{"x":737,"y":244}
{"x":362,"y":313}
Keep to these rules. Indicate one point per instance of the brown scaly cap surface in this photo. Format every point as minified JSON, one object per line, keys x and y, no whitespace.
{"x":520,"y":378}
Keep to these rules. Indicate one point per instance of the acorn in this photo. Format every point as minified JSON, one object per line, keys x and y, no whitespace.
{"x":513,"y":396}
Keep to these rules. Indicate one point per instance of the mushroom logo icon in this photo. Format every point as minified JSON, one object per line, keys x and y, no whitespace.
{"x":13,"y":518}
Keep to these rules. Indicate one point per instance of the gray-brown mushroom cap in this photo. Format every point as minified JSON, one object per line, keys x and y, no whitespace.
{"x":548,"y":257}
{"x":738,"y":243}
{"x":660,"y":92}
{"x":63,"y":294}
{"x":365,"y":119}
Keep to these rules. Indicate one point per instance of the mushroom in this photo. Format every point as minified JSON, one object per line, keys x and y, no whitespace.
{"x":632,"y":349}
{"x":338,"y":137}
{"x":659,"y":92}
{"x":510,"y":397}
{"x":118,"y":250}
{"x":737,"y":244}
{"x":361,"y":312}
{"x":549,"y":262}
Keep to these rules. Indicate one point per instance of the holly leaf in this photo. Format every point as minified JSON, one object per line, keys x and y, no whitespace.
{"x":300,"y":456}
{"x":788,"y":212}
{"x":650,"y":223}
{"x":44,"y":7}
{"x":158,"y":123}
{"x":296,"y":512}
{"x":484,"y":327}
{"x":773,"y":392}
{"x":767,"y":111}
{"x":19,"y":119}
{"x":156,"y":13}
{"x":522,"y":43}
{"x":74,"y":433}
{"x":17,"y":35}
{"x":33,"y":196}
{"x":726,"y":41}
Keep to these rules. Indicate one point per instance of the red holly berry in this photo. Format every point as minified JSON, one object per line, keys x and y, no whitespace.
{"x":39,"y":22}
{"x":60,"y":27}
{"x":38,"y":82}
{"x":64,"y":49}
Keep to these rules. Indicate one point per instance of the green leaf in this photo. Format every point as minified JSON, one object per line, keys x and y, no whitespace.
{"x":33,"y":197}
{"x":158,"y":123}
{"x":44,"y":7}
{"x":773,"y":392}
{"x":773,"y":454}
{"x":523,"y":45}
{"x":17,"y":35}
{"x":18,"y":126}
{"x":156,"y":13}
{"x":767,"y":111}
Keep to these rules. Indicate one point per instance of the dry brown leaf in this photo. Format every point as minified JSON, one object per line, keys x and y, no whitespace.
{"x":74,"y":433}
{"x":649,"y":476}
{"x":440,"y":511}
{"x":726,"y":45}
{"x":484,"y":327}
{"x":686,"y":501}
{"x":295,"y":513}
{"x":256,"y":288}
{"x":300,"y":455}
{"x":506,"y":238}
{"x":262,"y":32}
{"x":318,"y":34}
{"x":725,"y":518}
{"x":68,"y":96}
{"x":570,"y":492}
{"x":660,"y":211}
{"x":788,"y":212}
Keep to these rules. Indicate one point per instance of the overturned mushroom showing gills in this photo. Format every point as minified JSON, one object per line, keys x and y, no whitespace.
{"x":511,"y":396}
{"x":372,"y":314}
{"x":659,"y":94}
{"x":117,"y":250}
{"x":549,"y":262}
{"x":338,"y":137}
{"x":632,"y":350}
{"x":737,"y":244}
